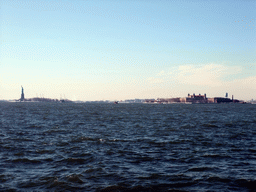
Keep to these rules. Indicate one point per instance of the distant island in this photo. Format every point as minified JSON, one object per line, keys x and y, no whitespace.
{"x":190,"y":99}
{"x":39,"y":99}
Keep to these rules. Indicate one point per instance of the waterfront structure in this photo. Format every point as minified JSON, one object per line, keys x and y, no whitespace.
{"x":194,"y":99}
{"x":203,"y":99}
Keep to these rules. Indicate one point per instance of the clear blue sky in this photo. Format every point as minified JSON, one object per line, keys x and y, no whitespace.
{"x":100,"y":50}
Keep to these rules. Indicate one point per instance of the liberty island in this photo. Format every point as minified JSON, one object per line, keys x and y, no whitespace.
{"x":39,"y":99}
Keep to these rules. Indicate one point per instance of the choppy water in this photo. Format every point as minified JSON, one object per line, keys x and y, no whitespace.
{"x":127,"y":147}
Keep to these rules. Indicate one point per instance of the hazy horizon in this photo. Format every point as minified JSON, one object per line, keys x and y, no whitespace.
{"x":117,"y":50}
{"x":63,"y":97}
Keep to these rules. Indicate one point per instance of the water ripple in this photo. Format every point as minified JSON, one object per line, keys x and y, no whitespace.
{"x":127,"y":147}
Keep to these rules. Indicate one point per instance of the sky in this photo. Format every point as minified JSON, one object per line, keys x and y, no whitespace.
{"x":116,"y":50}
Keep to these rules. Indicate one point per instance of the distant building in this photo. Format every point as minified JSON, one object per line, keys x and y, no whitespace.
{"x":194,"y":99}
{"x":173,"y":100}
{"x":211,"y":100}
{"x":222,"y":100}
{"x":150,"y":101}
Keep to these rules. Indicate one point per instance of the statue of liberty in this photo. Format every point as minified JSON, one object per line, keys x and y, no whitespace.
{"x":22,"y":98}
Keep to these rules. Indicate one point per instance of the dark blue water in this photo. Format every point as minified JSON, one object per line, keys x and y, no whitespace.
{"x":127,"y":147}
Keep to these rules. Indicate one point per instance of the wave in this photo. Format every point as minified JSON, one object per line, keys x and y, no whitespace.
{"x":26,"y":160}
{"x":200,"y":169}
{"x":151,"y":188}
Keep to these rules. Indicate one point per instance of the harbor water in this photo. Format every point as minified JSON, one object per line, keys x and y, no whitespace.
{"x":127,"y":147}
